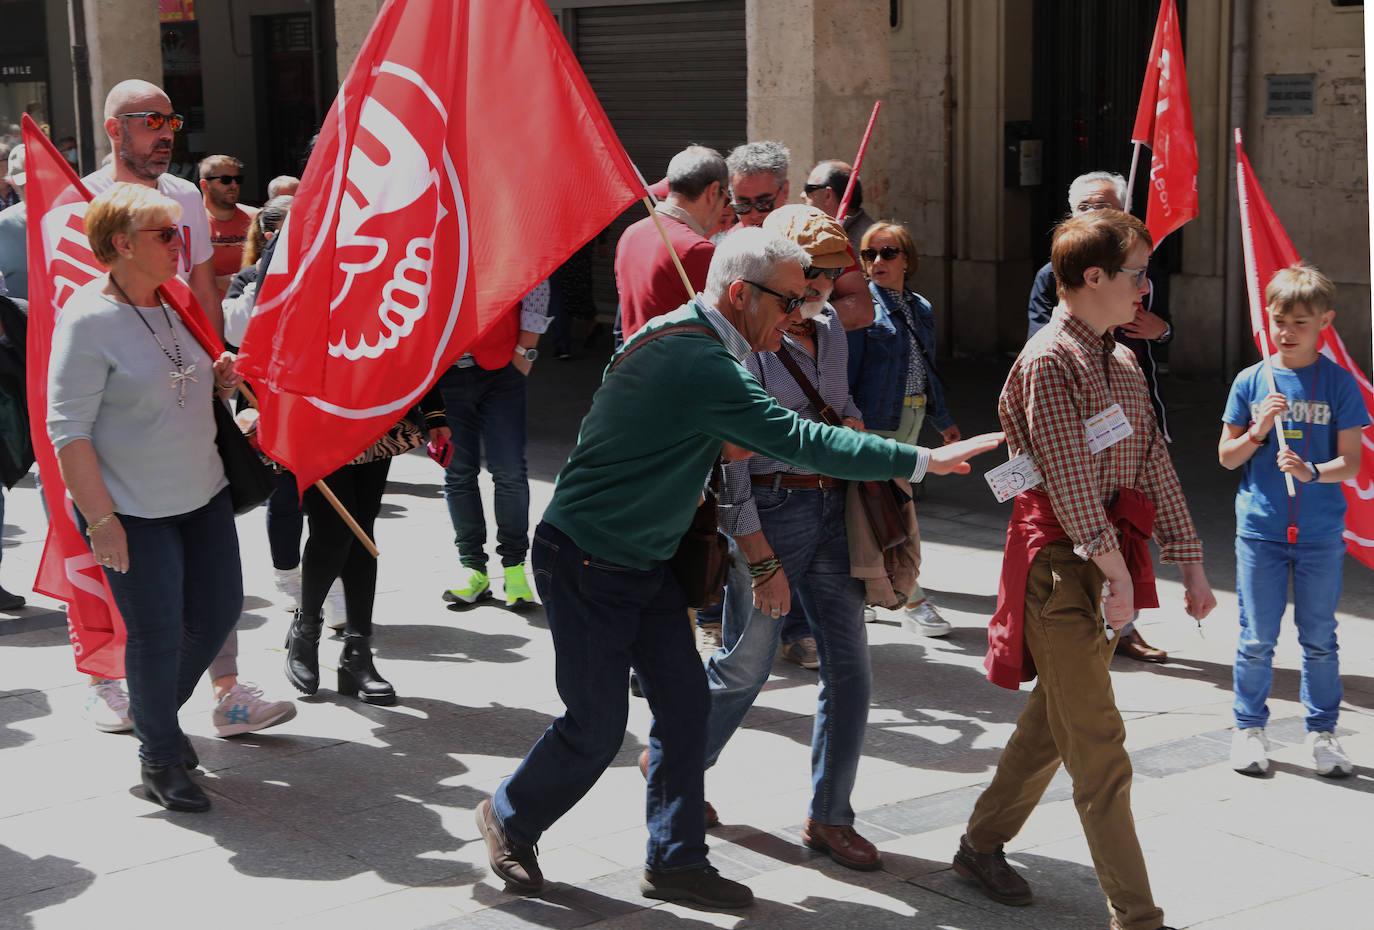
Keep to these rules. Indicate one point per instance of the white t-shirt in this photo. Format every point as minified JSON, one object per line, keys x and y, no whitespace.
{"x":195,"y":225}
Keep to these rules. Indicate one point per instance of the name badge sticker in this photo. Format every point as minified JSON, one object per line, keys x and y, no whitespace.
{"x":1012,"y":477}
{"x":1106,"y":429}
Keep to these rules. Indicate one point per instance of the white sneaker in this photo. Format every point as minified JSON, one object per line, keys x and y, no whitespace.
{"x":1250,"y":751}
{"x":870,"y":615}
{"x":107,"y":706}
{"x":1328,"y":755}
{"x":242,"y":710}
{"x":923,"y":618}
{"x":335,"y":613}
{"x":709,"y":639}
{"x":288,"y":583}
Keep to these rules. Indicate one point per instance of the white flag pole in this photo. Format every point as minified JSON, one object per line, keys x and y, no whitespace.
{"x":1257,"y":317}
{"x":1369,"y":118}
{"x":1130,"y":183}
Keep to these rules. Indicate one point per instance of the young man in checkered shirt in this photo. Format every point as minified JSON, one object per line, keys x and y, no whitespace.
{"x":1105,"y":492}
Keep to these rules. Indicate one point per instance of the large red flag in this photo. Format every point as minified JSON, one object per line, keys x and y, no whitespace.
{"x":1164,"y":122}
{"x":463,"y":160}
{"x":1273,"y":251}
{"x":61,"y":262}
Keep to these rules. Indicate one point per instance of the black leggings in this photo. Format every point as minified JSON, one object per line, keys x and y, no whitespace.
{"x":332,"y":551}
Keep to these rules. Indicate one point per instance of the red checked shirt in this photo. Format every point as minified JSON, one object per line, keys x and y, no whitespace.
{"x":1066,"y":374}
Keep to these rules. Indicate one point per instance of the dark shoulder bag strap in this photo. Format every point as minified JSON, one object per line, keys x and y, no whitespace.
{"x":823,"y":410}
{"x":658,"y":334}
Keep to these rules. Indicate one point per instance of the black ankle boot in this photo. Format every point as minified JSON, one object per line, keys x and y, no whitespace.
{"x":189,"y":759}
{"x":172,"y":787}
{"x":303,"y":653}
{"x":358,"y":674}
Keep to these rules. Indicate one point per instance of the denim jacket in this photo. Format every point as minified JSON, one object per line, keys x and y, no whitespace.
{"x":878,"y":359}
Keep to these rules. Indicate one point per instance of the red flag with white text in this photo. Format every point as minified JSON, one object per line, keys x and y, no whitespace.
{"x":1164,"y":122}
{"x":60,"y":263}
{"x":1273,"y":251}
{"x":464,"y":159}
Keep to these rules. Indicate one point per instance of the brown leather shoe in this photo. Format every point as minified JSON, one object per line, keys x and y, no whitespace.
{"x":998,"y":880}
{"x":711,"y":819}
{"x":1133,"y":646}
{"x":704,"y":886}
{"x":517,"y":865}
{"x":841,"y":843}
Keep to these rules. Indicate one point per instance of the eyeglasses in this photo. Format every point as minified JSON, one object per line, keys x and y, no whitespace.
{"x":830,"y":273}
{"x":887,"y":253}
{"x":163,"y":234}
{"x":790,"y":304}
{"x":225,"y":178}
{"x":1138,"y":272}
{"x":1089,"y":206}
{"x":153,"y":120}
{"x":812,"y":188}
{"x":762,"y":205}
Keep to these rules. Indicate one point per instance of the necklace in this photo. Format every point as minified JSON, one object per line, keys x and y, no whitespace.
{"x":182,"y":373}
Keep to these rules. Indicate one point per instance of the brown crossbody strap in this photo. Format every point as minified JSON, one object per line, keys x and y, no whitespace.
{"x":823,"y":410}
{"x":674,"y":330}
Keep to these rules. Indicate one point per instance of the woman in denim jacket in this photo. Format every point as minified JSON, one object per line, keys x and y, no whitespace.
{"x":892,"y":374}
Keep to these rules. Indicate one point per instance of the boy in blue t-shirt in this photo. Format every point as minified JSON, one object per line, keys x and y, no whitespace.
{"x":1319,"y":408}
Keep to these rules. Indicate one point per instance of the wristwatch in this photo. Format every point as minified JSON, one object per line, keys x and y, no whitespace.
{"x":528,"y":355}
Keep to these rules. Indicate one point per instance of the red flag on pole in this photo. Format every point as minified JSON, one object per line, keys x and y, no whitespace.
{"x":463,"y":160}
{"x":61,"y":262}
{"x":1164,"y":122}
{"x":1273,"y":251}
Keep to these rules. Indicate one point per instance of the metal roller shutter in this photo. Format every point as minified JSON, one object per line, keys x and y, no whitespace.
{"x":668,"y":75}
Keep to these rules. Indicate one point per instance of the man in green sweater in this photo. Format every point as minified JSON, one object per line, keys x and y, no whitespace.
{"x":621,"y":505}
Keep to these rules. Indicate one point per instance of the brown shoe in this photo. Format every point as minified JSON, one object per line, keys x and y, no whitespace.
{"x":711,"y":819}
{"x":704,"y":886}
{"x":841,"y":843}
{"x":518,"y":865}
{"x":998,"y":880}
{"x":803,"y":652}
{"x":1133,"y":646}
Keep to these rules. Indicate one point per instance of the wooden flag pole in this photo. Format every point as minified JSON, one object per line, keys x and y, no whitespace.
{"x":677,"y":262}
{"x":843,"y":210}
{"x":323,"y":488}
{"x":1256,"y":301}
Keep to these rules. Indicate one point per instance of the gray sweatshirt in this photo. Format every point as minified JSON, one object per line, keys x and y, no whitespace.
{"x":108,"y":382}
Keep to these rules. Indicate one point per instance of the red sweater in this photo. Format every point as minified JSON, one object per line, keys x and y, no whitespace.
{"x":648,"y":282}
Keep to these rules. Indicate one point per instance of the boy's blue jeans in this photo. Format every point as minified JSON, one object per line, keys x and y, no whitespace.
{"x":1263,"y":569}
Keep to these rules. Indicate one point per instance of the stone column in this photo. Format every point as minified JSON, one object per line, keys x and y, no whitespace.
{"x":125,"y":42}
{"x":352,"y":20}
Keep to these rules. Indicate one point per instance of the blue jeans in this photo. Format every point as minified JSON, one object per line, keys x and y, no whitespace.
{"x":605,"y":618}
{"x":486,"y":413}
{"x":1263,"y":569}
{"x":180,"y":599}
{"x":806,"y":531}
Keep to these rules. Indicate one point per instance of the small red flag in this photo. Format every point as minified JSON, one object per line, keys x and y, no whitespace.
{"x":1274,"y":251}
{"x":1164,"y":122}
{"x":61,"y":262}
{"x":463,"y":160}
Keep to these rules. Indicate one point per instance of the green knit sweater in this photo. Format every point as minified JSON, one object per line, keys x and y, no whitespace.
{"x":655,"y":428}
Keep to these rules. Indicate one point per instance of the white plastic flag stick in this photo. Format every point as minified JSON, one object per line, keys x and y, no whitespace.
{"x":1130,"y":183}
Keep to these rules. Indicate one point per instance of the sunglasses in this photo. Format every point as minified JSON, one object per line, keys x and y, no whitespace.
{"x":830,"y":273}
{"x":762,"y":205}
{"x":153,"y":120}
{"x":790,"y":304}
{"x":163,"y":234}
{"x":1138,"y":272}
{"x":887,"y":253}
{"x":1091,"y":206}
{"x":226,"y":178}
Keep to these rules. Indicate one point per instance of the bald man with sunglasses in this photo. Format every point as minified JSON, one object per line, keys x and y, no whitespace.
{"x":141,"y":124}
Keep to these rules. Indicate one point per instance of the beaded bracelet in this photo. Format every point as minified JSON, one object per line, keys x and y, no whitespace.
{"x":100,"y":523}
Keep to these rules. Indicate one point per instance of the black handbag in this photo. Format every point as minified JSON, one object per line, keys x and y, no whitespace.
{"x":701,"y":564}
{"x":250,"y":479}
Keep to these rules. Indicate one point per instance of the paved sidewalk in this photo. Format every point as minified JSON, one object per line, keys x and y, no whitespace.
{"x":354,"y":816}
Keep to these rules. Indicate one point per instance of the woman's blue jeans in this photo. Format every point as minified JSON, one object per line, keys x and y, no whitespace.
{"x":1263,"y":570}
{"x":180,"y":599}
{"x":806,"y":530}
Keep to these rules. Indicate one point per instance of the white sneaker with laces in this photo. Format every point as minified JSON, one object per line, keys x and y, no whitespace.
{"x":923,"y":618}
{"x":288,"y":583}
{"x":242,"y":710}
{"x":870,"y":615}
{"x":107,"y":706}
{"x":1330,"y":758}
{"x":1250,"y":751}
{"x":335,"y":612}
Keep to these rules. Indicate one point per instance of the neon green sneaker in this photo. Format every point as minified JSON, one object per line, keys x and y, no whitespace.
{"x":517,"y":588}
{"x":474,"y":589}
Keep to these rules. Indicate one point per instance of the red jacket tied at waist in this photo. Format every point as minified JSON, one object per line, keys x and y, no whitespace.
{"x":1034,"y":526}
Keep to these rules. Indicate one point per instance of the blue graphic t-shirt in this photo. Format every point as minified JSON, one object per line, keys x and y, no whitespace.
{"x":1323,"y":399}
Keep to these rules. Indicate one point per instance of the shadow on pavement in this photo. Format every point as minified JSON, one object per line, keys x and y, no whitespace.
{"x":30,"y":885}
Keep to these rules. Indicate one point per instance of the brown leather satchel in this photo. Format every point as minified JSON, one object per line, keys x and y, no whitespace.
{"x":883,"y":501}
{"x":701,"y":564}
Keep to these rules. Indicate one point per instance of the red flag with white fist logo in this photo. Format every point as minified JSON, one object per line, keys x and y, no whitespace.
{"x":464,"y":159}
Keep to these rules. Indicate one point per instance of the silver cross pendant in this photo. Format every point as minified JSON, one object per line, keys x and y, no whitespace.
{"x":179,"y":379}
